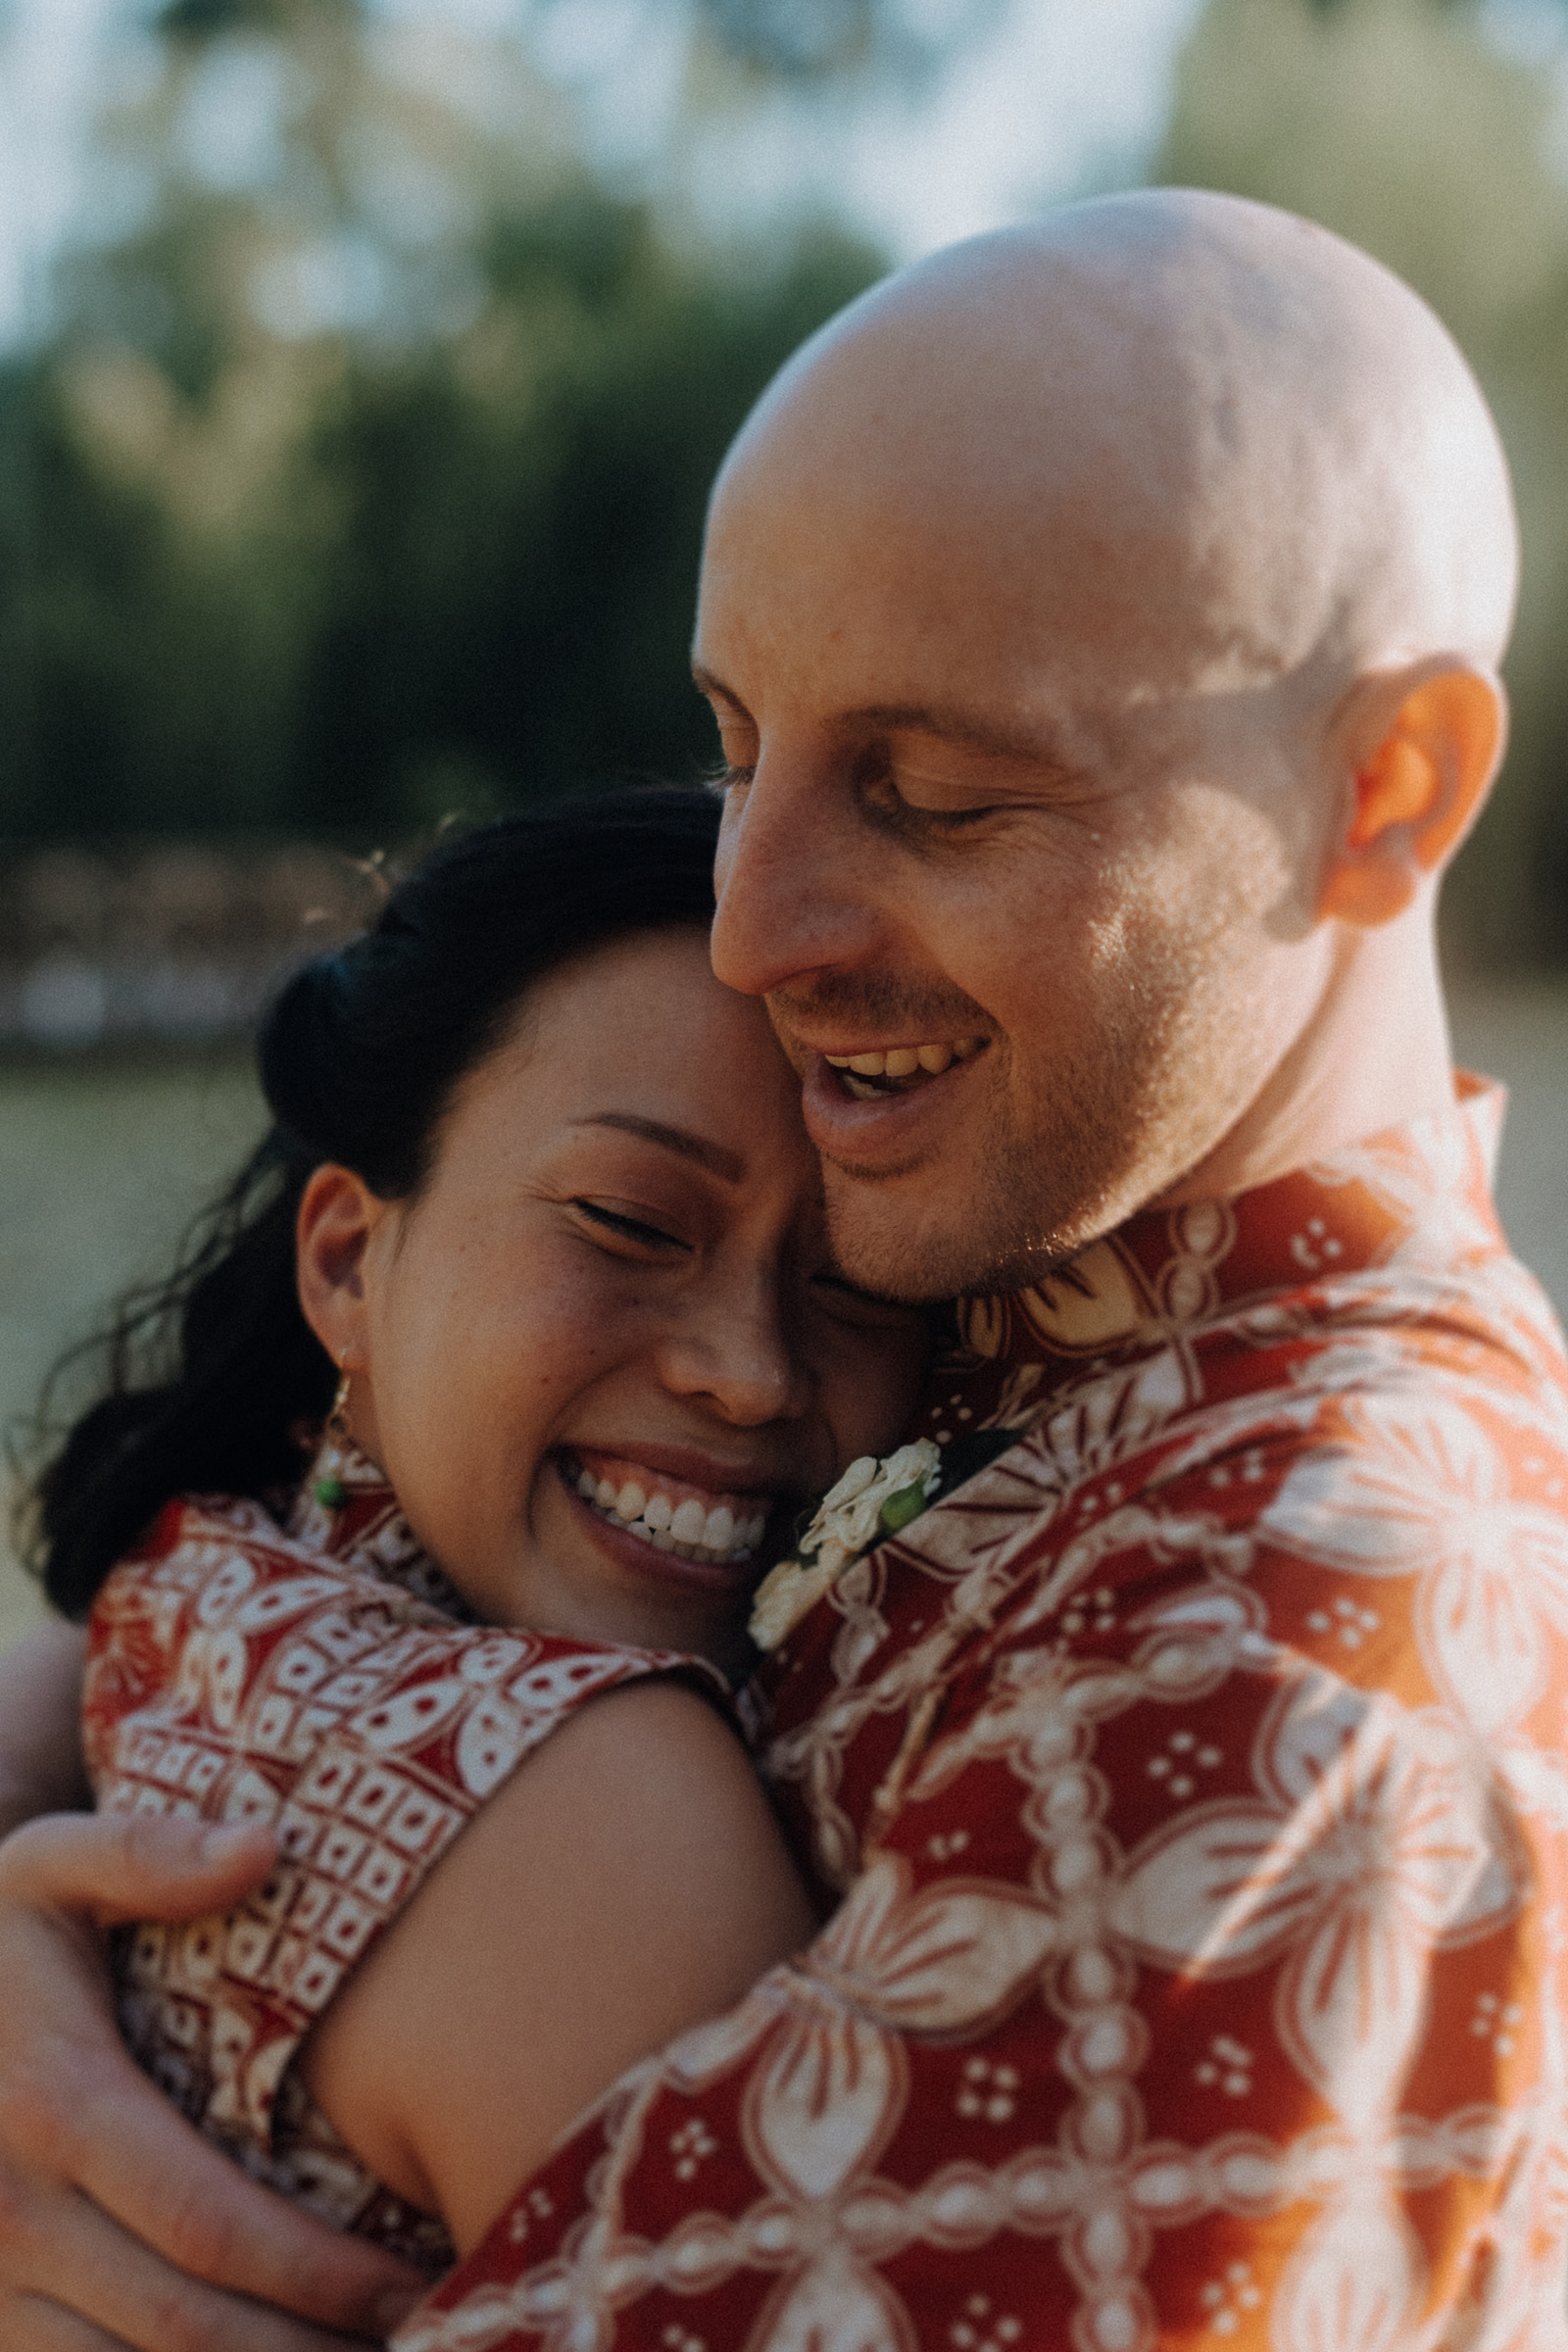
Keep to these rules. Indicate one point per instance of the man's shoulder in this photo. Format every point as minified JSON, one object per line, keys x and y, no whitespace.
{"x":1370,"y":1478}
{"x":1222,"y":1405}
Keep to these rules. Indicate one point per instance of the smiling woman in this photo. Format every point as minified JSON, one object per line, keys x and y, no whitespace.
{"x":538,"y":1188}
{"x":615,"y":1279}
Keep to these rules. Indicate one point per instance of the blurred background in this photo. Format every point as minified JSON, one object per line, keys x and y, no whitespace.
{"x":362,"y":367}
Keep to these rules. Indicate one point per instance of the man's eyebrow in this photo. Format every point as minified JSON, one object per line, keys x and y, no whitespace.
{"x":965,"y":728}
{"x":946,"y":723}
{"x":718,"y":1159}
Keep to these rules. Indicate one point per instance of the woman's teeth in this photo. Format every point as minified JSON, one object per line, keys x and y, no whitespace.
{"x":687,"y":1528}
{"x":905,"y":1061}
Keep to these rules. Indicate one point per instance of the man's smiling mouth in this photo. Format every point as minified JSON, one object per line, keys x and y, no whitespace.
{"x":899,"y":1069}
{"x":669,"y":1513}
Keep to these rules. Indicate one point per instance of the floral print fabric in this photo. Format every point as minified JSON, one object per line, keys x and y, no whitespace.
{"x":321,"y":1676}
{"x":1194,"y":1781}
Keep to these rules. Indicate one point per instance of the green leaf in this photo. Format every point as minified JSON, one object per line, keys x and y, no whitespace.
{"x":898,"y":1510}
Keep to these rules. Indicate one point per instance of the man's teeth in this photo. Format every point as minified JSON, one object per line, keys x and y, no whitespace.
{"x":684,"y":1527}
{"x":902,"y":1061}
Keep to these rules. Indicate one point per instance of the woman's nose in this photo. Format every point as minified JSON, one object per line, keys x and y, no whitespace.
{"x":736,"y":1352}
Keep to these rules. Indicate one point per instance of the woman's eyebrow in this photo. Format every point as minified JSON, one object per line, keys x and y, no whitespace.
{"x":715,"y":1157}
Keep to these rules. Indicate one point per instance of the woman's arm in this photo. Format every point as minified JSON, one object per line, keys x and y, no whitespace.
{"x":626,"y":1882}
{"x":40,"y":1725}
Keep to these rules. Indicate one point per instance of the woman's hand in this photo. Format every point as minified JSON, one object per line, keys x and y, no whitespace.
{"x":121,"y":2228}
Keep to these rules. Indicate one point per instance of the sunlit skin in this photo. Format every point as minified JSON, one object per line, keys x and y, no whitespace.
{"x":617,"y":1261}
{"x":1105,"y":663}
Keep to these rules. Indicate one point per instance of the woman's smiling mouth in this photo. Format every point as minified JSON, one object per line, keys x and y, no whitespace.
{"x":709,"y":1527}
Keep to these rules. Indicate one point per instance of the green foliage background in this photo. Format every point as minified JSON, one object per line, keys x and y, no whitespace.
{"x":347,"y":582}
{"x":1404,"y":126}
{"x":268,"y":573}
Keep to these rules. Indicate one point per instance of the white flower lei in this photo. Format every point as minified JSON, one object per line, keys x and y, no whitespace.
{"x":848,"y":1521}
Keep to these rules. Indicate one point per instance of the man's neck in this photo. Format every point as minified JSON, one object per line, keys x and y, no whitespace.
{"x":1375,"y":1053}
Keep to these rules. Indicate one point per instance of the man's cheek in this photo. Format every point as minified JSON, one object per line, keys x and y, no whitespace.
{"x":800,"y":1058}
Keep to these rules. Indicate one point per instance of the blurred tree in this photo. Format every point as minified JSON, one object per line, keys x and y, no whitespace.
{"x":819,"y":37}
{"x":788,"y":38}
{"x":511,"y":587}
{"x":362,"y":476}
{"x":1402,"y":125}
{"x":814,"y":42}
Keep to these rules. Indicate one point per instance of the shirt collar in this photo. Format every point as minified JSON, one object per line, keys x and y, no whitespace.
{"x":1418,"y":1196}
{"x":345,"y":1509}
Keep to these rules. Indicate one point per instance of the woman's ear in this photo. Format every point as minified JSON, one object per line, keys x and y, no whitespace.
{"x":337,"y":1215}
{"x":1420,"y":748}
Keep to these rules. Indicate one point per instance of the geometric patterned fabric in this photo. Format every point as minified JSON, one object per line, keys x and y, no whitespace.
{"x":321,"y":1676}
{"x":1195,"y":1782}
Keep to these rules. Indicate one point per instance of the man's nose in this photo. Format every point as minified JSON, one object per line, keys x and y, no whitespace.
{"x":794,"y":876}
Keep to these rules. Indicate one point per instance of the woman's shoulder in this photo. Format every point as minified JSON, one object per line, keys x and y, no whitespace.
{"x":268,"y":1634}
{"x":334,"y":1536}
{"x":644,"y":1845}
{"x":230,"y":1571}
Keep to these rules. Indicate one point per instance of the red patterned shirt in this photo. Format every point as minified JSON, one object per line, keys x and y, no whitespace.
{"x":321,"y":1676}
{"x":1194,"y":1779}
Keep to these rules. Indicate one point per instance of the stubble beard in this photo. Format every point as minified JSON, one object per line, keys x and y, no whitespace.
{"x":1017,"y":1199}
{"x":1043,"y":1170}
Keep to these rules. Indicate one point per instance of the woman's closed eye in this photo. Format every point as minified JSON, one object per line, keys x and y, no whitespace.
{"x":850,"y":1304}
{"x":634,"y":1232}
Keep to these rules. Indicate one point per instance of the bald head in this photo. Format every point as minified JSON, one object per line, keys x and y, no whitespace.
{"x":1101,"y":620}
{"x":1199,"y":430}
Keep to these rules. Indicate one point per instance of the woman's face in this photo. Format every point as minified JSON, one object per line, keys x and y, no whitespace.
{"x":610,"y":1308}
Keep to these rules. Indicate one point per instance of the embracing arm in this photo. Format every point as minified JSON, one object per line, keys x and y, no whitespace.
{"x":117,"y":2219}
{"x":626,"y":1882}
{"x":1074,"y":2088}
{"x":114,"y":2213}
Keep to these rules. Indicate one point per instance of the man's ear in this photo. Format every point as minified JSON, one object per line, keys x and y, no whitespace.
{"x":1420,"y":748}
{"x":337,"y":1215}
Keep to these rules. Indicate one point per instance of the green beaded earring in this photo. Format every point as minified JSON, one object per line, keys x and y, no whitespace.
{"x":330,"y":1492}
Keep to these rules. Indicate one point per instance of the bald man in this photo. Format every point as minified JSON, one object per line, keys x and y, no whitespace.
{"x":1103,"y":623}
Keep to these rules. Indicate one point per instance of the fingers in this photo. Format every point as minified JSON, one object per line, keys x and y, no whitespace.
{"x":156,"y":2179}
{"x":94,"y":2160}
{"x":87,"y":2286}
{"x":117,"y":1866}
{"x":201,"y":2215}
{"x":35,"y":2324}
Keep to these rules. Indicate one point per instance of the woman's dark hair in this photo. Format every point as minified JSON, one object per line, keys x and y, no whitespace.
{"x":211,"y":1374}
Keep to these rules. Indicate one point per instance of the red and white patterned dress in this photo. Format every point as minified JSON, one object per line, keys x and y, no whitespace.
{"x":321,"y":1676}
{"x":1195,"y":1779}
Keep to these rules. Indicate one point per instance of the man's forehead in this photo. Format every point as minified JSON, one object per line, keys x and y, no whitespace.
{"x":1194,"y":430}
{"x":958,"y":581}
{"x":950,"y":636}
